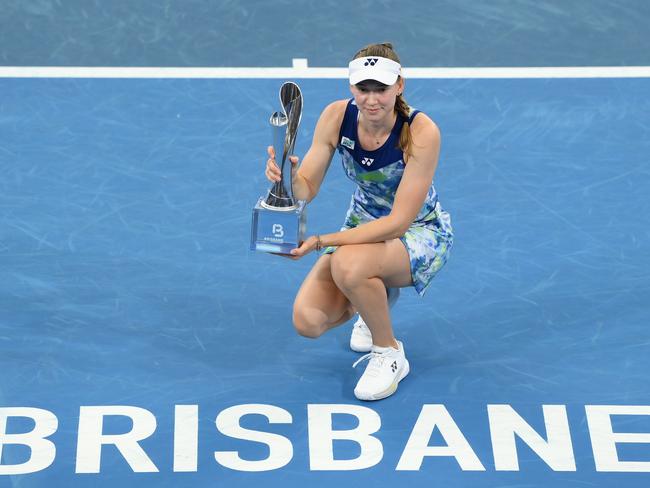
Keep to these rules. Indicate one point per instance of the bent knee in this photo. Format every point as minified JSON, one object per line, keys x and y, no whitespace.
{"x":346,"y":272}
{"x":307,"y":323}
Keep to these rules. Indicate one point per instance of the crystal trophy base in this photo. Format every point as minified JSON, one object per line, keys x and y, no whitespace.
{"x":277,"y":230}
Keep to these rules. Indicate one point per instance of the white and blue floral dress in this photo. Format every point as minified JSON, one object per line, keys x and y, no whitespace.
{"x":377,"y":175}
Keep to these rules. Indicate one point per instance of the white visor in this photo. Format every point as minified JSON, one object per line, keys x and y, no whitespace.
{"x":376,"y":68}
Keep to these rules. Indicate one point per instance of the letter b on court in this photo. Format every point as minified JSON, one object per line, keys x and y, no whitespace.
{"x":42,"y":450}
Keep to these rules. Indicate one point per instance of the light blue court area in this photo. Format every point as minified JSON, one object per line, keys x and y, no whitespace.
{"x":134,"y":318}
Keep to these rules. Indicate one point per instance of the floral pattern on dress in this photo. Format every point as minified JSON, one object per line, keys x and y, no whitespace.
{"x":428,"y":240}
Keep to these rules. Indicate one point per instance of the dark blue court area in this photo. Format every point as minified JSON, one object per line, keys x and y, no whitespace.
{"x":132,"y":307}
{"x":327,"y":32}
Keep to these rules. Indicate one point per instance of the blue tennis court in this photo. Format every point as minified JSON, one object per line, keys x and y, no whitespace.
{"x":143,"y":344}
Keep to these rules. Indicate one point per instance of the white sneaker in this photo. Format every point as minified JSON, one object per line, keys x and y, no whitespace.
{"x":387,"y":367}
{"x":361,"y":338}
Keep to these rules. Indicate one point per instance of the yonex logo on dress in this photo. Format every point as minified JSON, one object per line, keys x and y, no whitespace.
{"x":371,"y":61}
{"x":367,"y":161}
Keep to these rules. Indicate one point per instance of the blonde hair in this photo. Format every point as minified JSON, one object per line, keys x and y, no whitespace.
{"x":385,"y":50}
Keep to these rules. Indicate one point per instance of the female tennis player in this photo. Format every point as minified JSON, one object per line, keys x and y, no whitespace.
{"x":395,"y":233}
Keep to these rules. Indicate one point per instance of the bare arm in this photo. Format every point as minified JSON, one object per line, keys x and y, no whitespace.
{"x":409,"y":197}
{"x":309,"y":176}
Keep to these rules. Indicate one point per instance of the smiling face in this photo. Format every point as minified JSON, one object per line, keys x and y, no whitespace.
{"x":375,"y":100}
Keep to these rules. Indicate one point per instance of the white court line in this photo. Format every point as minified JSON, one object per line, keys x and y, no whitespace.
{"x":300,"y":69}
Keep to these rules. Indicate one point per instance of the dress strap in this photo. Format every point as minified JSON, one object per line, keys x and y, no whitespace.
{"x":348,"y":127}
{"x":413,"y":112}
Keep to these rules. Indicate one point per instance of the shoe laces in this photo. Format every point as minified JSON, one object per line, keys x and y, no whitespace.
{"x":376,"y":361}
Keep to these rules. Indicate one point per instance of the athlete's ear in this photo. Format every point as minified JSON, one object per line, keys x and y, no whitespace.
{"x":400,"y":85}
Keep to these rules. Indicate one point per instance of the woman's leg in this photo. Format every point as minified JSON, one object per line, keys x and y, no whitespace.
{"x":319,"y":304}
{"x":362,"y":272}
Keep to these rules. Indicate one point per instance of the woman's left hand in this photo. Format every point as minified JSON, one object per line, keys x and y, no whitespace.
{"x":307,"y":246}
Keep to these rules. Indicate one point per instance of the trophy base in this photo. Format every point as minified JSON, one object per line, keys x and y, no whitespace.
{"x":277,"y":230}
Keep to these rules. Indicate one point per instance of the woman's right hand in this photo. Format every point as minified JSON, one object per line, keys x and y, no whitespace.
{"x":272,"y":171}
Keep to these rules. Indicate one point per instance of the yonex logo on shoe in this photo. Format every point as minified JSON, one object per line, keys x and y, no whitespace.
{"x":367,"y":161}
{"x":371,"y":61}
{"x":394,"y":366}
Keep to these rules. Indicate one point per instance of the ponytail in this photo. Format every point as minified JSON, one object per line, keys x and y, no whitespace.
{"x":405,"y":141}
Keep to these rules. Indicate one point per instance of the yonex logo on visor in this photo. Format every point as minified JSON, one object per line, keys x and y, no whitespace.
{"x":380,"y":69}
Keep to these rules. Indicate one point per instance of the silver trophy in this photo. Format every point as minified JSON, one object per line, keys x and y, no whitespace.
{"x":278,"y":218}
